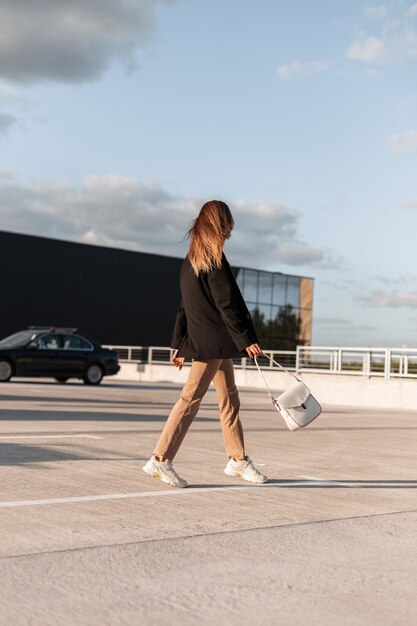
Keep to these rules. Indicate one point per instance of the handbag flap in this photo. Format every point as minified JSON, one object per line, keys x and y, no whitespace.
{"x":296,"y":395}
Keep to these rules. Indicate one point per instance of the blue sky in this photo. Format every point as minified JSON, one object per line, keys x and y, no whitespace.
{"x":119,"y":118}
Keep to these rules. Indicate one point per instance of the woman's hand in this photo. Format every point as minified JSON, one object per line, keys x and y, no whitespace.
{"x":177,"y":361}
{"x":254,"y":350}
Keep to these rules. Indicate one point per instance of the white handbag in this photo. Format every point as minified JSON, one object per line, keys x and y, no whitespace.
{"x":296,"y":404}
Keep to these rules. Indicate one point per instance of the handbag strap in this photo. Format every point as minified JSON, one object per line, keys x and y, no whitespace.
{"x":274,"y":400}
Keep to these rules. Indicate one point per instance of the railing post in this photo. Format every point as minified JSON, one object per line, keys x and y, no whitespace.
{"x":297,"y":359}
{"x":335,"y":358}
{"x":387,"y":369}
{"x":367,"y":364}
{"x":150,"y":354}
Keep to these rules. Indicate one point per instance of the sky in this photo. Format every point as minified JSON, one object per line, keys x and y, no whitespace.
{"x":120,"y":118}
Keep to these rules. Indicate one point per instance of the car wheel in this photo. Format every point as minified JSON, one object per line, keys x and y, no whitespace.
{"x":93,"y":375}
{"x":61,"y":379}
{"x":6,"y":371}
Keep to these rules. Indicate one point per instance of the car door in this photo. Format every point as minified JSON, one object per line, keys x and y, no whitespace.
{"x":40,"y":358}
{"x":73,"y":355}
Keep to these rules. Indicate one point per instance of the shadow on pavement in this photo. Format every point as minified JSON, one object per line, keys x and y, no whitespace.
{"x":23,"y":454}
{"x":105,"y":383}
{"x":313,"y":484}
{"x":341,"y":483}
{"x":55,"y":400}
{"x":92,"y":416}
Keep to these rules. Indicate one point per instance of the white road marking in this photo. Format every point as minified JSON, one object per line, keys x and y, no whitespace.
{"x":331,"y":481}
{"x":50,"y":437}
{"x":144,"y":494}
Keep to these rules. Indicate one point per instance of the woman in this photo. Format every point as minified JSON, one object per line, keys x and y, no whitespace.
{"x":213,"y":326}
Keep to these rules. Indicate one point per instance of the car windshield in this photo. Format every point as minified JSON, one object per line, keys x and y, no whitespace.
{"x":18,"y":339}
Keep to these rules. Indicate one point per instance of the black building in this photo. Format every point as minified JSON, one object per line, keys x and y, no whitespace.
{"x":115,"y":296}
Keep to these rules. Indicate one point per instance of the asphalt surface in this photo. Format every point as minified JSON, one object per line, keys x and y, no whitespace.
{"x":88,"y":538}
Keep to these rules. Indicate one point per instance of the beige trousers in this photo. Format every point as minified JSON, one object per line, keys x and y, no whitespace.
{"x":220,"y":371}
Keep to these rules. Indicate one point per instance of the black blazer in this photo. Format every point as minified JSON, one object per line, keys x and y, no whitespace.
{"x":212,"y":321}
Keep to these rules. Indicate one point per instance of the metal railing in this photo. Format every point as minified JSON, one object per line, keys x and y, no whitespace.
{"x":381,"y":362}
{"x":157,"y":355}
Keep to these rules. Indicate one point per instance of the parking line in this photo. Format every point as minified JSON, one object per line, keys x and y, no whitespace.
{"x":330,"y":481}
{"x":145,"y":494}
{"x":50,"y":437}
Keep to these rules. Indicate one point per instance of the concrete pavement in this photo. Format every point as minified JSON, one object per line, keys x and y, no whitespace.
{"x":88,"y":538}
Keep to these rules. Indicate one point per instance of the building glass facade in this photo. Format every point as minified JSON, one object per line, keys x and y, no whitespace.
{"x":280,"y":305}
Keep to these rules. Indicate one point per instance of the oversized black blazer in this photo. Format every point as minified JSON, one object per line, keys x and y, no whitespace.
{"x":212,"y":321}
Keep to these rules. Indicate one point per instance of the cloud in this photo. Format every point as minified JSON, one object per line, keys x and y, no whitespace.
{"x":73,"y":41}
{"x":404,"y":279}
{"x":395,"y":43}
{"x":299,"y":254}
{"x":9,"y":96}
{"x":389,"y":299}
{"x":10,"y":99}
{"x":340,"y":325}
{"x":6,"y":175}
{"x":6,"y":122}
{"x":332,"y":321}
{"x":413,"y":10}
{"x":407,"y":140}
{"x":267,"y":235}
{"x":377,"y":12}
{"x":302,"y":68}
{"x":370,"y":49}
{"x":107,"y":210}
{"x":128,"y":213}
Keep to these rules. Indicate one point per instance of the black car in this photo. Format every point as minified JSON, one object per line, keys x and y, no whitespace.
{"x":58,"y":352}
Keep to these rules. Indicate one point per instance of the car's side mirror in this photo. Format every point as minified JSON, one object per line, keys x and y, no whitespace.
{"x":33,"y":346}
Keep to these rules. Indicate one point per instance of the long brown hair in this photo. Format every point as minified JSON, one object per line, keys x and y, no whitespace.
{"x":207,"y":235}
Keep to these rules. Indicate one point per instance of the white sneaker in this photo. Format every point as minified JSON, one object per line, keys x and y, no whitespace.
{"x":246,"y":470}
{"x":165,"y":472}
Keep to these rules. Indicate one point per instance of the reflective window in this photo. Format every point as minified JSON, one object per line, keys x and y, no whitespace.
{"x":18,"y":339}
{"x":48,"y":342}
{"x":275,"y":312}
{"x":250,"y":285}
{"x":279,"y":292}
{"x":265,"y":287}
{"x":74,"y":342}
{"x":240,"y":276}
{"x":261,"y":322}
{"x":280,"y":307}
{"x":265,"y":310}
{"x":293,"y":291}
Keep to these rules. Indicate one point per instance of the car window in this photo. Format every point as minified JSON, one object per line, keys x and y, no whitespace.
{"x":18,"y":339}
{"x":75,"y":342}
{"x":48,"y":342}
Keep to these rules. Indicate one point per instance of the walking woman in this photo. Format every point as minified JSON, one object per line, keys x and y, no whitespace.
{"x":213,"y":326}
